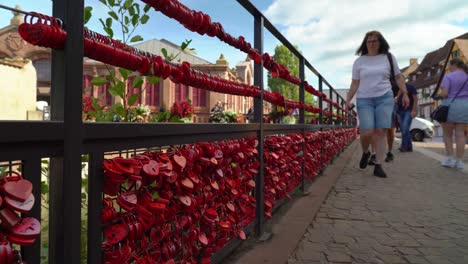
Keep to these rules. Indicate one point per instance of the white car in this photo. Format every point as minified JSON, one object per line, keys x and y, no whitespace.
{"x":421,"y":129}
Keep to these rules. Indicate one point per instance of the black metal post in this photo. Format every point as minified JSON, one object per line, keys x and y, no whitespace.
{"x":65,"y":183}
{"x":95,"y":192}
{"x":301,"y":116}
{"x":320,"y":100}
{"x":258,"y":117}
{"x":32,"y":172}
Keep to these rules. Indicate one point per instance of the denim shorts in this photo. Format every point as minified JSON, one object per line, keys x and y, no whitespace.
{"x":375,"y":112}
{"x":458,"y":110}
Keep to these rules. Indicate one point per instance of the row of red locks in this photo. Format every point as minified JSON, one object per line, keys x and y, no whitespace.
{"x":16,"y":198}
{"x":46,"y":31}
{"x":284,"y":155}
{"x":178,"y":205}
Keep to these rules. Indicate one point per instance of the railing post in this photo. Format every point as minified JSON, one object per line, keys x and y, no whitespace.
{"x":65,"y":173}
{"x":321,"y":120}
{"x":258,"y":117}
{"x":95,"y":193}
{"x":301,"y":116}
{"x":32,"y":171}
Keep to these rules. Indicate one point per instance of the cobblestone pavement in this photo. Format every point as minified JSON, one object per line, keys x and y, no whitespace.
{"x":417,"y":215}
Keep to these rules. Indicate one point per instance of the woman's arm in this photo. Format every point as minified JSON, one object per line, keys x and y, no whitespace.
{"x":352,"y":92}
{"x":401,"y":84}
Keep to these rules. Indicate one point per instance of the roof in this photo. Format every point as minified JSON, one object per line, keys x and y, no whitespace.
{"x":432,"y":60}
{"x":154,"y":46}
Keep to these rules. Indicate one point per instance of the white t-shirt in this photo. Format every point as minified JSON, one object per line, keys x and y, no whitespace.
{"x":373,"y":73}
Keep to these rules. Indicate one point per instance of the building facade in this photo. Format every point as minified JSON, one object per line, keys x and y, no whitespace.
{"x":31,"y":80}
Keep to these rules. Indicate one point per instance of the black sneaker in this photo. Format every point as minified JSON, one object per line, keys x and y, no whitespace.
{"x":379,"y":172}
{"x":389,"y":157}
{"x":372,"y":159}
{"x":364,"y":160}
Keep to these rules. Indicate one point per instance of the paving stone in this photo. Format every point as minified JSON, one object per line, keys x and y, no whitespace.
{"x":391,"y":258}
{"x":413,"y":259}
{"x":438,"y":259}
{"x":343,"y":239}
{"x":339,"y":257}
{"x":408,"y":251}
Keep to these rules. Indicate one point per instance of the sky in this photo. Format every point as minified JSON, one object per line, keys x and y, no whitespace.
{"x":327,"y":32}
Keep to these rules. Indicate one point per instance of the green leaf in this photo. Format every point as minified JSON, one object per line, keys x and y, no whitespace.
{"x":133,"y":99}
{"x":124,"y":72}
{"x":119,"y":109}
{"x":185,"y":44}
{"x":87,"y":14}
{"x":111,"y":2}
{"x":44,"y":187}
{"x":154,"y":79}
{"x":109,"y":32}
{"x":83,"y":196}
{"x":103,"y":1}
{"x":118,"y":89}
{"x":137,"y":8}
{"x":113,"y":15}
{"x":136,"y":38}
{"x":164,"y":52}
{"x":146,"y":8}
{"x":155,"y":196}
{"x":153,"y":185}
{"x":127,"y":20}
{"x":135,"y":19}
{"x":95,"y":105}
{"x":125,"y":28}
{"x":144,"y":19}
{"x":137,"y":82}
{"x":109,"y":22}
{"x":127,"y":4}
{"x":98,"y":81}
{"x":131,"y":11}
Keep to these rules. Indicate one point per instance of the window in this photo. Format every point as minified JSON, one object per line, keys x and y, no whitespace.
{"x":456,"y":54}
{"x":181,"y":92}
{"x":131,"y":91}
{"x":439,"y":70}
{"x":414,"y":77}
{"x":103,"y":93}
{"x":87,"y":87}
{"x":43,"y":70}
{"x":152,"y":92}
{"x":198,"y":97}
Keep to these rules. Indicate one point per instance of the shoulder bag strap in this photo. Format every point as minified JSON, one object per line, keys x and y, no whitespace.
{"x":392,"y":73}
{"x":461,"y":88}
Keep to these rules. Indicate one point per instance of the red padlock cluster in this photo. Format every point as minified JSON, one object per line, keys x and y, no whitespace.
{"x":42,"y":30}
{"x":16,"y":198}
{"x":312,"y":156}
{"x":178,"y":205}
{"x":283,"y":171}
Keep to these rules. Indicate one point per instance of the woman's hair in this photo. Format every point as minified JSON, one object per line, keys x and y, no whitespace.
{"x":459,"y":64}
{"x":383,"y":49}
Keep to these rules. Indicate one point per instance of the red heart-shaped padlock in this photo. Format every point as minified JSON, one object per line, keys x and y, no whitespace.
{"x":22,"y":207}
{"x":18,"y":190}
{"x":28,"y":228}
{"x":115,"y":233}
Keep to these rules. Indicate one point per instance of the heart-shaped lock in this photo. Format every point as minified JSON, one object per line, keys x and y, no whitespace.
{"x":115,"y":233}
{"x":19,"y":190}
{"x":22,"y":207}
{"x":8,"y":217}
{"x":27,"y":228}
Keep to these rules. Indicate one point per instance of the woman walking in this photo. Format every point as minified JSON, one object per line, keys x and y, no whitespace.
{"x":371,"y":80}
{"x":454,"y":89}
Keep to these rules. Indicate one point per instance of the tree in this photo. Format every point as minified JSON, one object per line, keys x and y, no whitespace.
{"x":290,"y":91}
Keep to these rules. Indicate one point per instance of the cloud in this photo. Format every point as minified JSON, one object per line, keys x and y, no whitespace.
{"x":329,"y":32}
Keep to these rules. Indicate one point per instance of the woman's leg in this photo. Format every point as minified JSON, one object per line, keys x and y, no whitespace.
{"x":380,"y":144}
{"x":366,"y":139}
{"x":448,"y":135}
{"x":460,"y":139}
